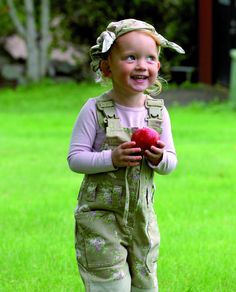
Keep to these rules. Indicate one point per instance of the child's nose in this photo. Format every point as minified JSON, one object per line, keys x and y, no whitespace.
{"x":141,"y":64}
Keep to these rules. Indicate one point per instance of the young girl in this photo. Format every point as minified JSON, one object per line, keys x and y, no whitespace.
{"x":116,"y":232}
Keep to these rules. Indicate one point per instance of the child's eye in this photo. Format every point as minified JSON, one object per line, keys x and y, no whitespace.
{"x":151,"y":58}
{"x":130,"y":58}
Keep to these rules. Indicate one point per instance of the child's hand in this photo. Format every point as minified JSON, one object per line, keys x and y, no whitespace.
{"x":155,"y":154}
{"x":125,"y":155}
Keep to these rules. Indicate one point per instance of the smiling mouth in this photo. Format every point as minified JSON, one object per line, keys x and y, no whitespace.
{"x":139,"y":77}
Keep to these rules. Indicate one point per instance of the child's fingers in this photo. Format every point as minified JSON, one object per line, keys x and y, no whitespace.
{"x":149,"y":154}
{"x":160,"y":144}
{"x":132,"y":151}
{"x":155,"y":155}
{"x":134,"y":158}
{"x":129,"y":149}
{"x":129,"y":144}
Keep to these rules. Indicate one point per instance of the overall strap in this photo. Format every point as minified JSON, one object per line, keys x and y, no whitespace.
{"x":155,"y":113}
{"x":107,"y":117}
{"x":110,"y":122}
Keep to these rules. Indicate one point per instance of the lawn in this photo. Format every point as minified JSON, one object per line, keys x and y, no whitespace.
{"x":195,"y":205}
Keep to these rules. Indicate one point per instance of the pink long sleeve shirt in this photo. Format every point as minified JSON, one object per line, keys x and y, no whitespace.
{"x":87,"y":137}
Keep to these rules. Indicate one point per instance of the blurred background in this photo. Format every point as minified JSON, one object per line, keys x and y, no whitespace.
{"x":45,"y":38}
{"x":45,"y":79}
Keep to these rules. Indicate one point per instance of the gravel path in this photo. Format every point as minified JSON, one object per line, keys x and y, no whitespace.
{"x":186,"y":96}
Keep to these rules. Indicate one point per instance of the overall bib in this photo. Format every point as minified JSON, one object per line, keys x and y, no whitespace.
{"x":116,"y":232}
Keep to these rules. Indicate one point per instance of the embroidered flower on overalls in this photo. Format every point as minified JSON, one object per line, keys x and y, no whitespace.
{"x":112,"y":174}
{"x":98,"y":243}
{"x":136,"y":176}
{"x":140,"y":268}
{"x":107,"y":196}
{"x":119,"y":275}
{"x":111,"y":218}
{"x":143,"y":271}
{"x":83,"y":208}
{"x":117,"y":255}
{"x":93,"y":213}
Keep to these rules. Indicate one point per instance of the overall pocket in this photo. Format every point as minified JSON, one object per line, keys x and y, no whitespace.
{"x":99,"y":232}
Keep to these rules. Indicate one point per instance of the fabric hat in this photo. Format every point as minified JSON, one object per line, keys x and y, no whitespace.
{"x":117,"y":29}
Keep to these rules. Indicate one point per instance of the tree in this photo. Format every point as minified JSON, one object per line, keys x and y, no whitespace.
{"x":37,"y":40}
{"x":84,"y":20}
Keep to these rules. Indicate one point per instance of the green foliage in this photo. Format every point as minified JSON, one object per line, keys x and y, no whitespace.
{"x":195,"y":205}
{"x":6,"y":27}
{"x":80,"y":23}
{"x":174,"y":19}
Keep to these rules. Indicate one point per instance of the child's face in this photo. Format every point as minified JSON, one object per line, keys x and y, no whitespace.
{"x":133,"y":62}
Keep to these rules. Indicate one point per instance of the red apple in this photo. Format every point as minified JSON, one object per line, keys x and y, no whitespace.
{"x":145,"y":138}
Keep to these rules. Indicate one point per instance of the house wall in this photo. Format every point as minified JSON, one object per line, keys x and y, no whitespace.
{"x":205,"y":38}
{"x":216,"y":37}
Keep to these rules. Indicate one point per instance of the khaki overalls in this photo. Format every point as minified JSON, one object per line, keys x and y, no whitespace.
{"x":116,"y":233}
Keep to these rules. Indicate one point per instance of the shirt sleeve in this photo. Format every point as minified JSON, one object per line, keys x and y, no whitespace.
{"x":169,"y":159}
{"x":83,"y":156}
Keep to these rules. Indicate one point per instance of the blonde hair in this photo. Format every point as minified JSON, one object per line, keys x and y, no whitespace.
{"x":153,"y":90}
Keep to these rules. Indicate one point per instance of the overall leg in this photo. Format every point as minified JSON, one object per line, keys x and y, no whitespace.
{"x":118,"y":285}
{"x":102,"y":259}
{"x":142,"y":255}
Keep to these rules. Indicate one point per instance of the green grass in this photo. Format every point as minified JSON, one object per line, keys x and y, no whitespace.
{"x":195,"y":205}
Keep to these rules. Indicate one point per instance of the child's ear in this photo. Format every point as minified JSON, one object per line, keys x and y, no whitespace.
{"x":158,"y":65}
{"x":105,"y":68}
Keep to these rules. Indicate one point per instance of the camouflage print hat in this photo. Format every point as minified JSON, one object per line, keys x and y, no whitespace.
{"x":117,"y":29}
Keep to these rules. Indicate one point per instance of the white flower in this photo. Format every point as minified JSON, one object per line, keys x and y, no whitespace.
{"x":119,"y":275}
{"x":98,"y":243}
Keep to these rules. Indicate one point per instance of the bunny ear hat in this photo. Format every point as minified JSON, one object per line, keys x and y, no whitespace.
{"x":117,"y":29}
